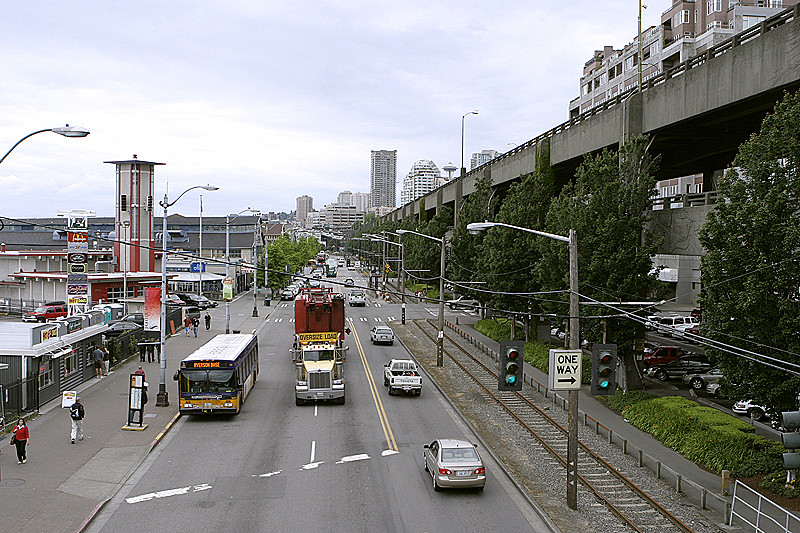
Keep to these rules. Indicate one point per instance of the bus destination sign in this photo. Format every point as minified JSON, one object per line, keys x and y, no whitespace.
{"x":206,"y":364}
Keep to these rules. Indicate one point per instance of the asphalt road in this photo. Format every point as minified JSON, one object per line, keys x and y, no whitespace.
{"x":281,"y":467}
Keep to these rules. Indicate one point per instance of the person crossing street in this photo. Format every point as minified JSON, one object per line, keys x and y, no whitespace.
{"x":76,"y":413}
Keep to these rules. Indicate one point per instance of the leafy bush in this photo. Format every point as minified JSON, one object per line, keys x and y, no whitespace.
{"x":776,"y":482}
{"x":620,"y":400}
{"x":705,"y":436}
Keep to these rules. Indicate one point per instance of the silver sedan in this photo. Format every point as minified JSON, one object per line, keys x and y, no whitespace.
{"x":454,"y":463}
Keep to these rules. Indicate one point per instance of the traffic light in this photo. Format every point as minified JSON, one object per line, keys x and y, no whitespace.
{"x":791,"y":439}
{"x":509,"y":375}
{"x":604,"y":369}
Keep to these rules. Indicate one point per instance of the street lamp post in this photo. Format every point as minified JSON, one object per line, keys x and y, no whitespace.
{"x":228,"y":221}
{"x":162,"y":398}
{"x":66,"y":131}
{"x":402,"y":270}
{"x":462,"y":139}
{"x":574,"y":344}
{"x":124,"y":253}
{"x":440,"y":336}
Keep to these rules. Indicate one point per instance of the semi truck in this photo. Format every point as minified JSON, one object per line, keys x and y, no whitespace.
{"x":318,"y":351}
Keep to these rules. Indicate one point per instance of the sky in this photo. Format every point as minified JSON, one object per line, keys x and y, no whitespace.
{"x":272,"y":100}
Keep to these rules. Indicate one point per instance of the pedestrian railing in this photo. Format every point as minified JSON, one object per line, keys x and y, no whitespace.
{"x":751,"y":509}
{"x":695,"y":492}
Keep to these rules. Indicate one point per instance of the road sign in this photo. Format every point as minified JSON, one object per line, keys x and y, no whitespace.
{"x":565,"y":369}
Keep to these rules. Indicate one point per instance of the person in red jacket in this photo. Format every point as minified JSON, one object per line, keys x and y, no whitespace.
{"x":21,"y":437}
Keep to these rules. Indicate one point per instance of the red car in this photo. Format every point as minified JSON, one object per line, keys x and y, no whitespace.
{"x":662,"y":355}
{"x":48,"y":311}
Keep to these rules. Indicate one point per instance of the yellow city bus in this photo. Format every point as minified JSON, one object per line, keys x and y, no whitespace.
{"x":219,"y":375}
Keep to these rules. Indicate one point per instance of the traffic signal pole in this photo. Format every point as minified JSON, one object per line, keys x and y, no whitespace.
{"x":574,"y":344}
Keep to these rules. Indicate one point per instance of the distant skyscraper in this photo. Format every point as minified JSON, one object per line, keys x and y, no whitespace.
{"x":423,"y":177}
{"x":305,"y":205}
{"x":482,"y":157}
{"x":383,"y":178}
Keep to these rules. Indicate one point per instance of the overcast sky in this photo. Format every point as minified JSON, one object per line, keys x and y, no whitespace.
{"x":272,"y":100}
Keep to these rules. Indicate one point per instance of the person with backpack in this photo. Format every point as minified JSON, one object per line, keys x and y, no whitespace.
{"x":20,"y":439}
{"x":195,"y":325}
{"x":76,"y":413}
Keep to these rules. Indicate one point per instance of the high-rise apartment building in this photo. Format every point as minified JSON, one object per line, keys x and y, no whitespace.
{"x":383,"y":178}
{"x":423,"y":177}
{"x":358,"y":199}
{"x":305,"y":205}
{"x":687,"y":29}
{"x":482,"y":157}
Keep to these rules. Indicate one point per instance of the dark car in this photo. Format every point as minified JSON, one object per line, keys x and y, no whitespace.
{"x":689,"y":364}
{"x":195,"y":299}
{"x":137,"y":318}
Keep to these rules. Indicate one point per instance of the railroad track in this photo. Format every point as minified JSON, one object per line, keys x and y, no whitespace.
{"x":628,"y":502}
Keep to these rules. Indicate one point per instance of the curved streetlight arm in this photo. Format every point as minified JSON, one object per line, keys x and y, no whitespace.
{"x":66,"y":131}
{"x":476,"y":227}
{"x":165,"y":203}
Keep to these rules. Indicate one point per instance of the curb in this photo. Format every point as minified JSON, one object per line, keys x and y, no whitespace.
{"x":540,"y":512}
{"x":100,"y":506}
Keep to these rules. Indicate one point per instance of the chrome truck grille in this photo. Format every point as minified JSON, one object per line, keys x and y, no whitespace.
{"x":319,"y":380}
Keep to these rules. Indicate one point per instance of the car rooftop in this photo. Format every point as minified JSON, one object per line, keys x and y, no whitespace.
{"x":453,"y":443}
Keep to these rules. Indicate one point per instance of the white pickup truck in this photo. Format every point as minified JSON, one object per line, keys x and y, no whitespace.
{"x":402,"y":375}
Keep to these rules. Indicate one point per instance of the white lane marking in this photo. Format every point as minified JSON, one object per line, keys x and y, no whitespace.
{"x":378,"y":319}
{"x":169,"y":492}
{"x":390,"y":318}
{"x":313,"y":464}
{"x":315,"y":409}
{"x":313,"y":450}
{"x":291,"y":320}
{"x":386,"y":453}
{"x":363,"y":319}
{"x":269,"y":474}
{"x":351,"y":458}
{"x":377,"y":304}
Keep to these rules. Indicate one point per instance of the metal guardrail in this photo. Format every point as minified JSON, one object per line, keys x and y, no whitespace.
{"x":684,"y":200}
{"x":761,"y":514}
{"x":694,"y":491}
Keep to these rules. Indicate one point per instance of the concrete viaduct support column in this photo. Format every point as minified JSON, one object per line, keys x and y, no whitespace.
{"x":632,"y":119}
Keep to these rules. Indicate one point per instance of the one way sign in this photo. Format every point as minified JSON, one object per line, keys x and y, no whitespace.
{"x":565,"y":369}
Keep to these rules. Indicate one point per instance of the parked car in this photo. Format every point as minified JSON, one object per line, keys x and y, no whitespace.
{"x":195,"y":299}
{"x":662,"y":355}
{"x":381,"y":334}
{"x":357,"y":298}
{"x":754,"y":411}
{"x":699,"y":381}
{"x":137,"y":318}
{"x":461,"y":303}
{"x":454,"y":463}
{"x":680,"y":367}
{"x":672,"y":325}
{"x":715,"y":390}
{"x":48,"y":311}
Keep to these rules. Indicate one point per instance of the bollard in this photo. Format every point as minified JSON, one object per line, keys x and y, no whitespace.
{"x":726,"y":482}
{"x":658,"y":469}
{"x":640,"y":459}
{"x":610,"y":437}
{"x":703,"y":498}
{"x":624,"y":446}
{"x":678,"y":484}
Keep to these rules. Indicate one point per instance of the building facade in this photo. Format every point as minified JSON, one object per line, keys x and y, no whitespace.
{"x":305,"y":205}
{"x":423,"y":178}
{"x":383,"y":178}
{"x":360,"y":200}
{"x":339,"y":217}
{"x":479,"y":158}
{"x":687,"y":29}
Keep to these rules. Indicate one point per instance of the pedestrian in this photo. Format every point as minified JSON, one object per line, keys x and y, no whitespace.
{"x":151,"y":352}
{"x":195,"y":325}
{"x":140,"y":372}
{"x":187,"y":323}
{"x":208,"y":321}
{"x":97,"y":357}
{"x":106,"y":361}
{"x":142,"y":351}
{"x":21,"y":438}
{"x":76,"y":413}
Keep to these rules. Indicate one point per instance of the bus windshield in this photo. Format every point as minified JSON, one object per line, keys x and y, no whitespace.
{"x":195,"y":381}
{"x":318,"y":355}
{"x":221,"y":381}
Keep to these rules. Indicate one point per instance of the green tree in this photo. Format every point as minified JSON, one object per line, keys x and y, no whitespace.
{"x":607,"y":207}
{"x":286,"y":257}
{"x":423,"y":255}
{"x":509,"y":257}
{"x":465,"y":248}
{"x":750,"y":270}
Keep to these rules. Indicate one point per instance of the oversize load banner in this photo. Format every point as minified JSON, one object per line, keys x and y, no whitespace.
{"x":326,"y":336}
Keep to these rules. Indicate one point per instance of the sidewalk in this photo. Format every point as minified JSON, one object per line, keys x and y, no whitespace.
{"x":63,"y":484}
{"x":669,"y":463}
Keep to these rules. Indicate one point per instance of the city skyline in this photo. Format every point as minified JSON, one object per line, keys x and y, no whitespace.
{"x":264,"y":118}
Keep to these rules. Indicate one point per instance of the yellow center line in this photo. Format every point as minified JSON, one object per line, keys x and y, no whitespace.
{"x":387,"y":429}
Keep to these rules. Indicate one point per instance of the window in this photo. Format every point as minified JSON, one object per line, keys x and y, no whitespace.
{"x":775,"y":3}
{"x":749,"y":21}
{"x":714,"y":24}
{"x":712,"y":6}
{"x":46,"y":374}
{"x":682,"y":17}
{"x":70,"y":363}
